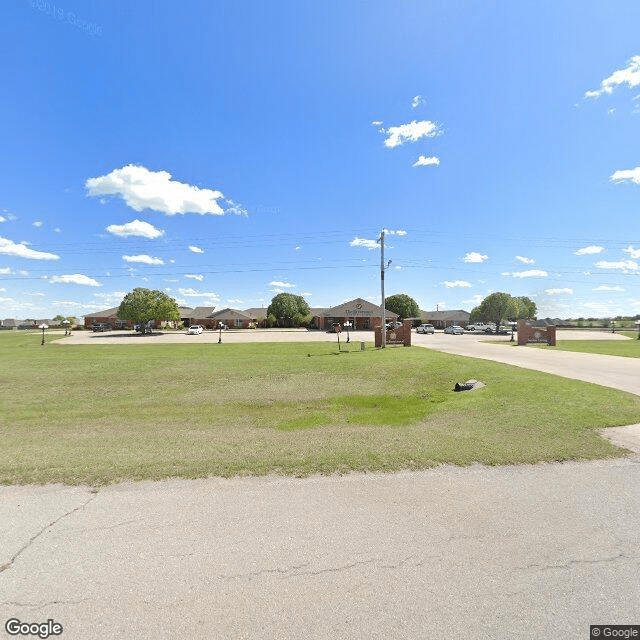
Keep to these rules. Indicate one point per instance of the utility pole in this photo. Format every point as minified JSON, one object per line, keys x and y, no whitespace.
{"x":384,"y":320}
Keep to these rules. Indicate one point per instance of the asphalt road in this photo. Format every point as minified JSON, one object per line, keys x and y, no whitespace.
{"x":536,"y":552}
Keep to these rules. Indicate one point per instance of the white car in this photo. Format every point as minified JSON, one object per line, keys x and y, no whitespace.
{"x":195,"y":329}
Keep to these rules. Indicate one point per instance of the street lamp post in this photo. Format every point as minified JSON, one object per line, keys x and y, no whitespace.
{"x":613,"y":326}
{"x":347,"y":324}
{"x":220,"y":325}
{"x":43,"y":326}
{"x":513,"y":328}
{"x":65,"y":324}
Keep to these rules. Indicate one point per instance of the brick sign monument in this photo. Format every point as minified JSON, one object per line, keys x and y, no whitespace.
{"x":536,"y":335}
{"x":401,"y":335}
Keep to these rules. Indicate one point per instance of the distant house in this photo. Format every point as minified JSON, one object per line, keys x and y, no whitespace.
{"x":10,"y":323}
{"x":442,"y":319}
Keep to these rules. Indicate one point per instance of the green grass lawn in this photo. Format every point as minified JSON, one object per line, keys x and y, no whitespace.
{"x":625,"y":348}
{"x":102,"y":414}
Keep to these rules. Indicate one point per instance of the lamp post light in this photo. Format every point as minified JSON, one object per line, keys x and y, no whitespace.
{"x":65,"y":324}
{"x":43,"y":326}
{"x":513,"y":328}
{"x":613,"y":326}
{"x":220,"y":325}
{"x":347,"y":324}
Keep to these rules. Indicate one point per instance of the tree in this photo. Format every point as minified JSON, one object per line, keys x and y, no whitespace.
{"x":501,"y":306}
{"x":142,"y":305}
{"x":494,"y":308}
{"x":287,"y":307}
{"x":403,"y":305}
{"x":524,"y":308}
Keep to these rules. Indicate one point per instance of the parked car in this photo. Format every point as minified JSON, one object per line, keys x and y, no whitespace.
{"x":393,"y":325}
{"x":102,"y":326}
{"x":478,"y":326}
{"x":195,"y":329}
{"x":454,"y":329}
{"x":425,"y":328}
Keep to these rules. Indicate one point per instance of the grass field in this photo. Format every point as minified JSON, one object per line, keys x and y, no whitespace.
{"x":84,"y":414}
{"x":625,"y":348}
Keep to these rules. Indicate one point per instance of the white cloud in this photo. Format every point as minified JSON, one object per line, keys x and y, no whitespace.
{"x":75,"y":278}
{"x":193,"y":293}
{"x":113,"y":298}
{"x":3,"y":219}
{"x":234,"y":301}
{"x":416,"y":102}
{"x":10,"y":248}
{"x":363,"y":242}
{"x":411,"y":132}
{"x":195,"y":249}
{"x":474,"y":300}
{"x":558,"y":292}
{"x":525,"y":260}
{"x":625,"y":175}
{"x":452,"y":284}
{"x":634,"y":253}
{"x":630,"y":76}
{"x":235,"y":209}
{"x":277,"y":283}
{"x":376,"y":123}
{"x":137,"y":228}
{"x":37,"y":224}
{"x":590,"y":250}
{"x":194,"y":276}
{"x":530,"y":273}
{"x":423,"y":161}
{"x":623,"y":265}
{"x":142,"y":189}
{"x":474,"y":256}
{"x":143,"y":259}
{"x":606,"y":287}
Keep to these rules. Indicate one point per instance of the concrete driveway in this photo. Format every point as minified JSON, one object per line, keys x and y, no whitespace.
{"x":536,"y":552}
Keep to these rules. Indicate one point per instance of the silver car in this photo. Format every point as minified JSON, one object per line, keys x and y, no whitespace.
{"x":425,"y":328}
{"x":454,"y":329}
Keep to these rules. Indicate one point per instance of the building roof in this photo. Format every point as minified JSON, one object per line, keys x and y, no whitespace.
{"x":448,"y":314}
{"x":107,"y":313}
{"x":201,"y":313}
{"x":257,"y":312}
{"x":357,"y":308}
{"x":231,"y":314}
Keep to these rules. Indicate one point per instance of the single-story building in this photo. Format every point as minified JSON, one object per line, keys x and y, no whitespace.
{"x":111,"y":316}
{"x":442,"y":319}
{"x":232,"y":319}
{"x":362,"y":315}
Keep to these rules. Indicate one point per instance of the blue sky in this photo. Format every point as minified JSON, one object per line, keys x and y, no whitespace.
{"x":226,"y":151}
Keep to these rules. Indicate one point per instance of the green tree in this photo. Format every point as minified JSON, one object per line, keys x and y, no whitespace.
{"x":288,"y":308}
{"x":402,"y":304}
{"x":494,"y":308}
{"x":142,"y":305}
{"x":524,"y":308}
